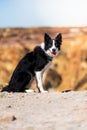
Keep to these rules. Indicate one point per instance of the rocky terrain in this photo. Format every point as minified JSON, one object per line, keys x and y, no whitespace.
{"x":49,"y":111}
{"x":69,"y":68}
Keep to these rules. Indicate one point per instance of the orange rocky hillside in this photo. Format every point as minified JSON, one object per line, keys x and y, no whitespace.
{"x":69,"y":68}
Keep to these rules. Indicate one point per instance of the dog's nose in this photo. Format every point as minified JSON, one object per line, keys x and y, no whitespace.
{"x":54,"y":50}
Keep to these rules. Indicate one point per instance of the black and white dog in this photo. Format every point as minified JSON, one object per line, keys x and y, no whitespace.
{"x":33,"y":64}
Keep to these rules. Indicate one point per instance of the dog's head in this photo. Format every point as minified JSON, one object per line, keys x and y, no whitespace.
{"x":52,"y":46}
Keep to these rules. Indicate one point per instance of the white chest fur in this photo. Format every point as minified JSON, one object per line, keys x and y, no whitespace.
{"x":39,"y":75}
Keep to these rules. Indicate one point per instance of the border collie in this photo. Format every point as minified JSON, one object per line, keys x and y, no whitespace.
{"x":34,"y":64}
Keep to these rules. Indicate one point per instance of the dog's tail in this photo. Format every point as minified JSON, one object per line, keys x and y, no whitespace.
{"x":6,"y":88}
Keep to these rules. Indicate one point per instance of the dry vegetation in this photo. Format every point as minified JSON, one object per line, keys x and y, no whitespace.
{"x":69,"y":69}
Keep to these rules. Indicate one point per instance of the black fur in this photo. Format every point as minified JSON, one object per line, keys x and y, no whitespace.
{"x":33,"y":61}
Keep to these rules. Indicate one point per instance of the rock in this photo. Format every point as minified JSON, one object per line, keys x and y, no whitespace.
{"x":7,"y":118}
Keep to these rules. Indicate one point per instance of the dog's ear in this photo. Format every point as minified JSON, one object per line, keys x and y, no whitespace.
{"x":59,"y":37}
{"x":47,"y":38}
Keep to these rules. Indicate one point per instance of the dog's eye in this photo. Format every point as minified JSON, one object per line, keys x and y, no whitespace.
{"x":49,"y":45}
{"x":57,"y":44}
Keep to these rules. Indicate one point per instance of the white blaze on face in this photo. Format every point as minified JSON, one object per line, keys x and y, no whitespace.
{"x":53,"y":53}
{"x":53,"y":46}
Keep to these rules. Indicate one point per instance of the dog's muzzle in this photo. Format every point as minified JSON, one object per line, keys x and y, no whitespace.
{"x":54,"y":52}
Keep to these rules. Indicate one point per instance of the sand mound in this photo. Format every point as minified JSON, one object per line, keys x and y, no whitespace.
{"x":49,"y":111}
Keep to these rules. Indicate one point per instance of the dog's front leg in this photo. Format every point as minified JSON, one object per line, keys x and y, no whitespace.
{"x":39,"y":81}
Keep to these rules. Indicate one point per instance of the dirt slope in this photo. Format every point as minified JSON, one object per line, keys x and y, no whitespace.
{"x":49,"y":111}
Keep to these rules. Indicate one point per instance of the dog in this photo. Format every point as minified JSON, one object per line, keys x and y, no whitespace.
{"x":33,"y":64}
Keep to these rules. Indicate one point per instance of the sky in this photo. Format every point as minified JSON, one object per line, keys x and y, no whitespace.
{"x":42,"y":13}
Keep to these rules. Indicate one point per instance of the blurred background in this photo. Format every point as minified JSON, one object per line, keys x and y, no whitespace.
{"x":22,"y":27}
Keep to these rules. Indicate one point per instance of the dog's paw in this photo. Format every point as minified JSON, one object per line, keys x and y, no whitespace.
{"x":29,"y":90}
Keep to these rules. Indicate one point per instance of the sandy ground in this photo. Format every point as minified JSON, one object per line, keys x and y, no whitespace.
{"x":48,"y":111}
